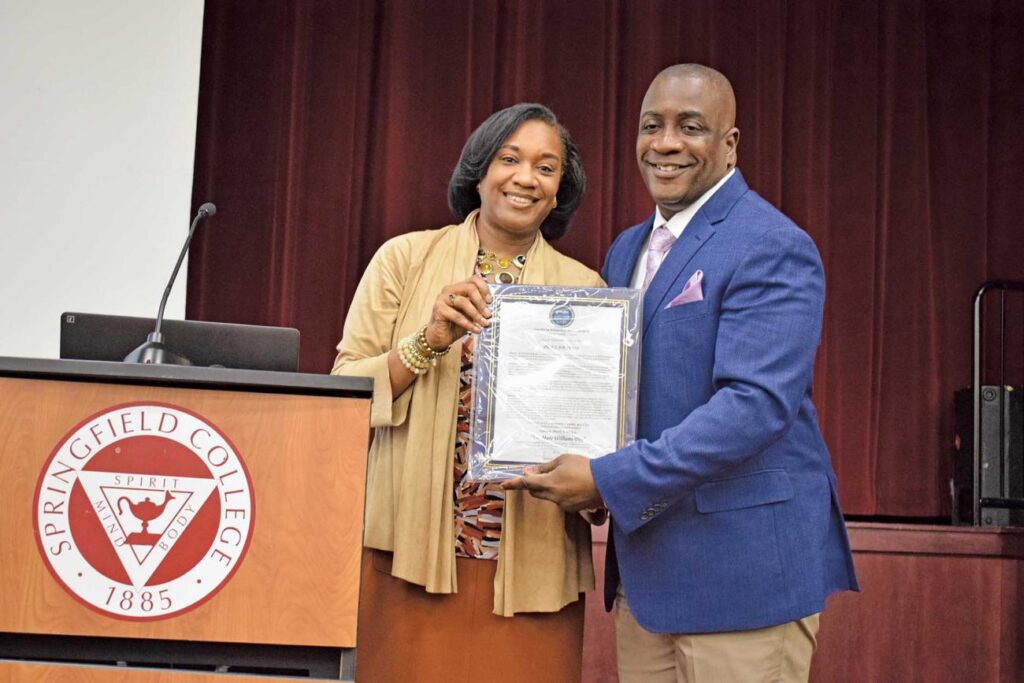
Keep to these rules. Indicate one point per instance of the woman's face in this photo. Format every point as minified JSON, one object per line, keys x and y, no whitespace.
{"x":519,"y":190}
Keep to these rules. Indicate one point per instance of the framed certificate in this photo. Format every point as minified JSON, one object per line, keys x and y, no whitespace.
{"x":555,"y":372}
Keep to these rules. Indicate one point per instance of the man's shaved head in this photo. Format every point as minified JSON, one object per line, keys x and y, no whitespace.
{"x":714,"y":82}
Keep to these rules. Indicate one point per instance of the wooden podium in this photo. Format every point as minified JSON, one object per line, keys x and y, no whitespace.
{"x":194,"y":519}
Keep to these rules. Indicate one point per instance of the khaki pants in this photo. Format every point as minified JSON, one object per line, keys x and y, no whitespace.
{"x":777,"y":653}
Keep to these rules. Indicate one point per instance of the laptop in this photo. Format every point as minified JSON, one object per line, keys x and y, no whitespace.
{"x":92,"y":336}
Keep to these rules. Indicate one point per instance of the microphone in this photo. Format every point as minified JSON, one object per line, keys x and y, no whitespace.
{"x":153,"y":350}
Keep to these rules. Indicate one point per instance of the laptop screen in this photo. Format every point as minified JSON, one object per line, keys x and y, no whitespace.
{"x":92,"y":336}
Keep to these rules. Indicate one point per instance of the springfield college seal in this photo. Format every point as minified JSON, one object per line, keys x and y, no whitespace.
{"x":143,"y":511}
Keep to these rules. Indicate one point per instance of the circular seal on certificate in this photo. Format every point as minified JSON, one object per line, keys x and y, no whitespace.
{"x":143,"y":511}
{"x":562,"y":315}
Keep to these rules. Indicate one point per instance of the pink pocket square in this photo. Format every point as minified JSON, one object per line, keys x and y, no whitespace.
{"x":692,"y":291}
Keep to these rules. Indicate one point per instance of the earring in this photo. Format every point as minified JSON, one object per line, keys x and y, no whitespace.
{"x":478,"y":188}
{"x":555,"y":204}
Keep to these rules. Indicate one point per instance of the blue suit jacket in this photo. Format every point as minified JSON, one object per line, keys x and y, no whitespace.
{"x":724,"y":511}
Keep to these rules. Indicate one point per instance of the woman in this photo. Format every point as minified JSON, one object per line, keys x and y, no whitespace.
{"x":450,"y":559}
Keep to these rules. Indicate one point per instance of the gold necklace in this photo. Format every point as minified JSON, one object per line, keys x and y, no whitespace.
{"x":504,"y":270}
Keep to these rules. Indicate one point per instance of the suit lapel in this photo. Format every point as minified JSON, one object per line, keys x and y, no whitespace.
{"x":695,"y":236}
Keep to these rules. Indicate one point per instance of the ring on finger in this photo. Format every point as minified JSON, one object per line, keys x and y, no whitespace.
{"x":451,"y":299}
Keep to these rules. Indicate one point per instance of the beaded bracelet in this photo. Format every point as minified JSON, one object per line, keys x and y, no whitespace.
{"x":416,"y":354}
{"x":426,"y":349}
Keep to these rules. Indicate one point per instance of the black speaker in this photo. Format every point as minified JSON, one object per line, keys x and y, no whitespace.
{"x":1002,"y":454}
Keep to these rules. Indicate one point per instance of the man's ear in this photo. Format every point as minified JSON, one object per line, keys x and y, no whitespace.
{"x":732,"y":141}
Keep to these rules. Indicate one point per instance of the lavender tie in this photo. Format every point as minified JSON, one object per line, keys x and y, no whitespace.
{"x":662,"y":240}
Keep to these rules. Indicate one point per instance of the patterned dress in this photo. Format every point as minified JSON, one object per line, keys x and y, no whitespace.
{"x":478,"y":505}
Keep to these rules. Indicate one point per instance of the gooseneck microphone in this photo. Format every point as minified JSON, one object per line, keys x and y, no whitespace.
{"x":153,"y":349}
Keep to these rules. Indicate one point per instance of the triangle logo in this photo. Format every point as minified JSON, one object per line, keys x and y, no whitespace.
{"x":144,"y":516}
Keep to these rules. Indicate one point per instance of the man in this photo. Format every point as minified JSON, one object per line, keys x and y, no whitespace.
{"x":726,"y":530}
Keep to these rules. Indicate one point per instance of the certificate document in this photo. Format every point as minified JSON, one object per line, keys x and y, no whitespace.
{"x":555,"y":373}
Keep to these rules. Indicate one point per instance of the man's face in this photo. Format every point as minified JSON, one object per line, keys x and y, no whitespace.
{"x":686,"y":142}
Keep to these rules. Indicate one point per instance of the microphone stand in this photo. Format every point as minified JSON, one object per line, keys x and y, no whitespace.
{"x":153,"y":350}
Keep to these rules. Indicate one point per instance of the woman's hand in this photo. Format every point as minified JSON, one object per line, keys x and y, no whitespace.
{"x":460,"y":307}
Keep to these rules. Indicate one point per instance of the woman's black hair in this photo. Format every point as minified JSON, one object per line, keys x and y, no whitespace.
{"x":485,"y":142}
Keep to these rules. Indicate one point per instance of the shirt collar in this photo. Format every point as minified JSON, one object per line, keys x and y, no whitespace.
{"x":678,"y":222}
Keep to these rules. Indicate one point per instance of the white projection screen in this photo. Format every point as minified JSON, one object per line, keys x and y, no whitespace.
{"x":98,"y":129}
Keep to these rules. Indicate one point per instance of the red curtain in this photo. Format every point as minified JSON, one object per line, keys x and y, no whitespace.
{"x":888,"y":129}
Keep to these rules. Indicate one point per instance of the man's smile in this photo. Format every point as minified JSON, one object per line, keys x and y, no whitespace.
{"x":667,"y":170}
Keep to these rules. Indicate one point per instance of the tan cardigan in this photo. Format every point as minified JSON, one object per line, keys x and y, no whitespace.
{"x":544,"y":557}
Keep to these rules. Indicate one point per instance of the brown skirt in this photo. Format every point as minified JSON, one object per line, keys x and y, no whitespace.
{"x":406,"y":634}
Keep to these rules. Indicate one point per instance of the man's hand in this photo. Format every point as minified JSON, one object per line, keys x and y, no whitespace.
{"x":566,"y":480}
